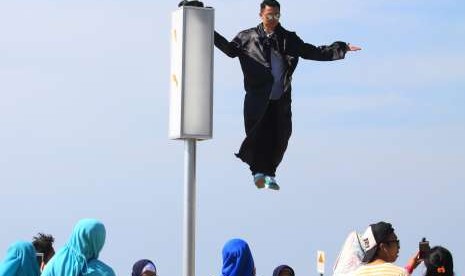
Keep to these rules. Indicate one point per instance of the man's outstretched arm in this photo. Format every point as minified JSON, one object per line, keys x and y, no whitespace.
{"x":335,"y":51}
{"x":231,"y":49}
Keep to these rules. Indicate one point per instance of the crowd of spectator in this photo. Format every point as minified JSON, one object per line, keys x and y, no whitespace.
{"x":80,"y":256}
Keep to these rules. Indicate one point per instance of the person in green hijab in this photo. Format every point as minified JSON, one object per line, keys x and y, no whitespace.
{"x":80,"y":254}
{"x":20,"y":260}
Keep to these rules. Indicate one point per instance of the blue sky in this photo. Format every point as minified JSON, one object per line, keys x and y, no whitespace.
{"x":84,"y":89}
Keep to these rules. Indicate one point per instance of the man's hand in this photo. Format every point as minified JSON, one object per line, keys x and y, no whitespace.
{"x":353,"y":47}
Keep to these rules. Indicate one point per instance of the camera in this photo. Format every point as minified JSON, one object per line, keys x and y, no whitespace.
{"x":423,"y":247}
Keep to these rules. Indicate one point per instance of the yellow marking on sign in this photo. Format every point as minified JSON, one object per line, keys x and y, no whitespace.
{"x":175,"y":35}
{"x":174,"y":79}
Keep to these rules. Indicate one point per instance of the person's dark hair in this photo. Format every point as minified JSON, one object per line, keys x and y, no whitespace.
{"x":381,"y":231}
{"x":439,"y":262}
{"x":43,"y":243}
{"x":270,"y":3}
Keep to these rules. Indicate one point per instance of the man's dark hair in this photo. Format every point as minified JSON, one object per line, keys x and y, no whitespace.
{"x":43,"y":243}
{"x":270,"y":3}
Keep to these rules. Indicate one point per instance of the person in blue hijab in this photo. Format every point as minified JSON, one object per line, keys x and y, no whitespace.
{"x":80,"y":254}
{"x":237,"y":259}
{"x":20,"y":260}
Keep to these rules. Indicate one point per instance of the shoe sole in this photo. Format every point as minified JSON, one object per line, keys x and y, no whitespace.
{"x":273,"y":187}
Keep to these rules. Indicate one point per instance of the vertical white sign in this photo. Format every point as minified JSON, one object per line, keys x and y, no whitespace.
{"x":191,"y":78}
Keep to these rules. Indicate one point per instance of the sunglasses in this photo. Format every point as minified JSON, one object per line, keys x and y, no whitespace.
{"x":276,"y":16}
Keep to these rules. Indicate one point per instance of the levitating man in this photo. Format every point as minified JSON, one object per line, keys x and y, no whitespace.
{"x":268,"y":55}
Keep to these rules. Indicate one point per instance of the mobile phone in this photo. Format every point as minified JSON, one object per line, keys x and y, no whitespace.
{"x":40,"y":258}
{"x":423,"y":247}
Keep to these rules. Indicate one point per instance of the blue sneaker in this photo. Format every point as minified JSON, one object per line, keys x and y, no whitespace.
{"x":259,"y":180}
{"x":270,"y":183}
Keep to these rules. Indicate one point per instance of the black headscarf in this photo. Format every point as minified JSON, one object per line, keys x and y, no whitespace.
{"x":277,"y":270}
{"x":139,"y":266}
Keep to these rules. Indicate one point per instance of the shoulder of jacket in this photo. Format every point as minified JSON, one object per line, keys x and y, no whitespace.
{"x":248,"y":31}
{"x":289,"y":34}
{"x":247,"y":34}
{"x":286,"y":31}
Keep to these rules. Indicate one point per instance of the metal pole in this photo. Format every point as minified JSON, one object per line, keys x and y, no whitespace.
{"x":189,"y":208}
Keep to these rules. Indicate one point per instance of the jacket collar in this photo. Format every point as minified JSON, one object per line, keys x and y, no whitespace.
{"x":261,"y":30}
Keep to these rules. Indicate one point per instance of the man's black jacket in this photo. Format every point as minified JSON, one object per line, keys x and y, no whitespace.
{"x":252,"y":46}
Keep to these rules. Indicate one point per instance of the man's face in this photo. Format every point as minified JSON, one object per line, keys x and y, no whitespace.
{"x":270,"y":17}
{"x":149,"y":273}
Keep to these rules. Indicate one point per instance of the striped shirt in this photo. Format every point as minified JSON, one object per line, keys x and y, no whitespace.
{"x":385,"y":269}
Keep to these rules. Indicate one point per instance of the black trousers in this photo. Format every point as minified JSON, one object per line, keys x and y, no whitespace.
{"x":264,"y":147}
